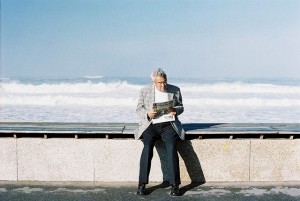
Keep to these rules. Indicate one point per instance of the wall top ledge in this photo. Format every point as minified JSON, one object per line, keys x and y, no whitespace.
{"x":125,"y":130}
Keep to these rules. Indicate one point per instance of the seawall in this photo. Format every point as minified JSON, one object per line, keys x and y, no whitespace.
{"x":107,"y":152}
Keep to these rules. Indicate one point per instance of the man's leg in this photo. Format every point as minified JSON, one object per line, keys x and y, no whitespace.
{"x":170,"y":137}
{"x":149,"y":138}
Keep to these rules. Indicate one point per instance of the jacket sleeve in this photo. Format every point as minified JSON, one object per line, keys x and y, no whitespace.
{"x":141,"y":109}
{"x":178,"y":103}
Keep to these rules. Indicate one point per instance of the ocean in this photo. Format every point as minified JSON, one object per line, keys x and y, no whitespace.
{"x":114,"y":99}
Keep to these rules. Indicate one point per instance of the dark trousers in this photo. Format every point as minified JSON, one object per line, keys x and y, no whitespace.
{"x":166,"y":132}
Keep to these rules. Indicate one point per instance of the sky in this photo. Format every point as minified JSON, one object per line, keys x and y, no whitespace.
{"x":188,"y":38}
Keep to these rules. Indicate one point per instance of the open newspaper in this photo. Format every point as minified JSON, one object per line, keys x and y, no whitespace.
{"x":162,"y":109}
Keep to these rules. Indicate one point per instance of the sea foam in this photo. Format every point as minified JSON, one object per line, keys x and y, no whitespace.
{"x":88,"y":100}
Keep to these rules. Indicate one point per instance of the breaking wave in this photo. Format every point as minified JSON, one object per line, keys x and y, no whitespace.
{"x":122,"y":93}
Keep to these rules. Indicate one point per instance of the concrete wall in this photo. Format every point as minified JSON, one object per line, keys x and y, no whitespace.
{"x":107,"y":160}
{"x":8,"y":159}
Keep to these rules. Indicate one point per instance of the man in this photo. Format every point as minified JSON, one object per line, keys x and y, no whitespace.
{"x":168,"y":131}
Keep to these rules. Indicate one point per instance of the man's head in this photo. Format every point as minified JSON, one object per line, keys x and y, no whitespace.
{"x":159,"y":78}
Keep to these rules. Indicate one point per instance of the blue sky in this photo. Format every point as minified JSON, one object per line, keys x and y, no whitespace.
{"x":189,"y":38}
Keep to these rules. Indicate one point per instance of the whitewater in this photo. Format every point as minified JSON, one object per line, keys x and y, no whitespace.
{"x":104,"y":99}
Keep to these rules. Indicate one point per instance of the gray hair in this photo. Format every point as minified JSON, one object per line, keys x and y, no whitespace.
{"x":159,"y":73}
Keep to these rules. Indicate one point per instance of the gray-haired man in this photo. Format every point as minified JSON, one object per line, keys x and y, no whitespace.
{"x":169,"y":131}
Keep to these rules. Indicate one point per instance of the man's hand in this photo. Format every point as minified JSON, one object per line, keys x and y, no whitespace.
{"x":172,"y":111}
{"x":151,"y":114}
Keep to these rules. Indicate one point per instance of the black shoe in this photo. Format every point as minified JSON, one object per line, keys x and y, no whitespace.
{"x":175,"y":190}
{"x":141,"y":189}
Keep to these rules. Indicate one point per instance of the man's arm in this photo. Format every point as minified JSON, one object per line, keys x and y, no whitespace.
{"x":140,"y":109}
{"x":178,"y":103}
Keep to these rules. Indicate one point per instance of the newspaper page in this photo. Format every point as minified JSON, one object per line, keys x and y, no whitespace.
{"x":163,"y":107}
{"x":162,"y":110}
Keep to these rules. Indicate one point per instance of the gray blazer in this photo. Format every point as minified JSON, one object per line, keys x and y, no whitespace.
{"x":145,"y":102}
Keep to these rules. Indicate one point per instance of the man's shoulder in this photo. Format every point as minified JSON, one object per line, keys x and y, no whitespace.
{"x":146,"y":88}
{"x":172,"y":88}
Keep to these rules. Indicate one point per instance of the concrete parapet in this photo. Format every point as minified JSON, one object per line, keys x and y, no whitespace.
{"x":275,"y":160}
{"x":55,"y":159}
{"x":107,"y":160}
{"x":118,"y":160}
{"x":8,"y":159}
{"x":221,"y":160}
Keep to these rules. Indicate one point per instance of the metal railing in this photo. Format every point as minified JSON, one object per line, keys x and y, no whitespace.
{"x":126,"y":130}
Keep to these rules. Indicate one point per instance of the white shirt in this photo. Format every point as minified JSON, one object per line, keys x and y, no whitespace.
{"x":160,"y":96}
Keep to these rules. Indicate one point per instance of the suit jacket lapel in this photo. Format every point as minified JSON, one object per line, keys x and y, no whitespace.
{"x":170,"y":94}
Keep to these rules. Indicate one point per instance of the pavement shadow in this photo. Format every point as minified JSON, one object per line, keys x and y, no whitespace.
{"x":151,"y":189}
{"x":191,"y":161}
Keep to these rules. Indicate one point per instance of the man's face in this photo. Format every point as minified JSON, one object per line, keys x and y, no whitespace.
{"x":160,"y":83}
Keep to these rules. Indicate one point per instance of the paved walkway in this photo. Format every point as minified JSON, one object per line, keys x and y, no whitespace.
{"x":81,"y":191}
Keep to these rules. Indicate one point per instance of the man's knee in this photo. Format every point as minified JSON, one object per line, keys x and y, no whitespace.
{"x":171,"y":139}
{"x":171,"y":146}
